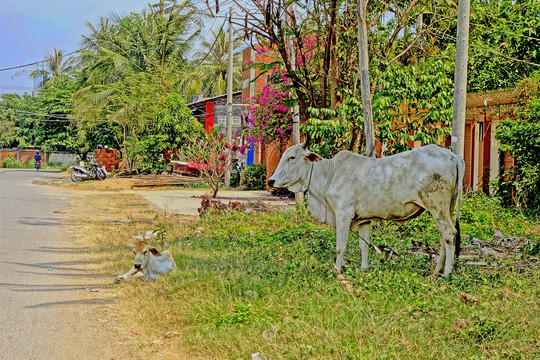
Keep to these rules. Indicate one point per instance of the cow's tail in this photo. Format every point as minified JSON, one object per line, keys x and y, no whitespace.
{"x":460,"y":172}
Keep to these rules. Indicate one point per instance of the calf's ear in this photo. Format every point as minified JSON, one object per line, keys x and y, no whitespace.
{"x":312,"y":157}
{"x":154,"y":252}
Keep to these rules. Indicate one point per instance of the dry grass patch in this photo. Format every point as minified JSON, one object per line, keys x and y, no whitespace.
{"x":104,"y":223}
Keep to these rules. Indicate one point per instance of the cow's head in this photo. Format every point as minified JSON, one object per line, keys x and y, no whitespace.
{"x":293,"y":169}
{"x":141,"y":251}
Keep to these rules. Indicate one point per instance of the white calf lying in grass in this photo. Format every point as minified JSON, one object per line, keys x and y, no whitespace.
{"x":149,"y":263}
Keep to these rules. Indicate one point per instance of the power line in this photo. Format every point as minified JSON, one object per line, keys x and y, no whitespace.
{"x":508,"y":32}
{"x":36,"y":63}
{"x":212,"y":47}
{"x":55,"y":118}
{"x":488,"y":50}
{"x":49,"y":115}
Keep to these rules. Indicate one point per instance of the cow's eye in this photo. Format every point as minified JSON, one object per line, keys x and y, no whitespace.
{"x":292,"y":158}
{"x":146,"y":252}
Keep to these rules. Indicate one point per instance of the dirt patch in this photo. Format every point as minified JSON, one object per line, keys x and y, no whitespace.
{"x":107,"y":184}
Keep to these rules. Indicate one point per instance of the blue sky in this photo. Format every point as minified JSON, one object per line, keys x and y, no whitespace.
{"x":28,"y":28}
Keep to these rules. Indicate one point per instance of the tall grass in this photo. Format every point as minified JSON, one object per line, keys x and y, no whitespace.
{"x":265,"y":283}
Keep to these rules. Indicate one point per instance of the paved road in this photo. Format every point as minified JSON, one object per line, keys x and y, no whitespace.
{"x":44,"y":282}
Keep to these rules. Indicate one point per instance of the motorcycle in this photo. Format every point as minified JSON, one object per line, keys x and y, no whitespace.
{"x":37,"y":164}
{"x":82,"y":173}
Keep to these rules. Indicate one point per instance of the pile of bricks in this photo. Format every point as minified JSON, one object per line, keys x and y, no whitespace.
{"x":110,"y":158}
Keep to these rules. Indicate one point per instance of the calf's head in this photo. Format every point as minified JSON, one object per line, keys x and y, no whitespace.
{"x":142,"y":251}
{"x":294,"y":169}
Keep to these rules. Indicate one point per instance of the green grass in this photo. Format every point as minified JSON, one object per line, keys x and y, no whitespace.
{"x":275,"y":272}
{"x":265,"y":283}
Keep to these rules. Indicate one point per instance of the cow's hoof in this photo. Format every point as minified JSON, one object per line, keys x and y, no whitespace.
{"x":368,"y":268}
{"x":118,"y":281}
{"x":436,"y":274}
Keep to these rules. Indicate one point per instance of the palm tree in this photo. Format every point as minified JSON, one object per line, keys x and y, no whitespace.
{"x":211,"y":60}
{"x":130,"y":63}
{"x":156,"y":40}
{"x":54,"y":64}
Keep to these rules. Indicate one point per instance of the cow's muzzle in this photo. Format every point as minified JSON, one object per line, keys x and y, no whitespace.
{"x":271,"y":182}
{"x":137,"y":266}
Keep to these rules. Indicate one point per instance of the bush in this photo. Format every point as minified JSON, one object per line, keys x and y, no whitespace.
{"x":254,"y":177}
{"x":10,"y":162}
{"x":521,"y":185}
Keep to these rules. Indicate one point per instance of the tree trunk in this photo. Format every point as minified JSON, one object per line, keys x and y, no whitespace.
{"x":363,"y":65}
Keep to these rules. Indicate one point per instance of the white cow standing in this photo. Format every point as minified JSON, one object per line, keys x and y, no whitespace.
{"x":350,"y":190}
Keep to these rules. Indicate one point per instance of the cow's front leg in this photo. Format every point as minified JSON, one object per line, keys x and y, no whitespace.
{"x":343,"y":224}
{"x":132,"y":273}
{"x":363,"y":233}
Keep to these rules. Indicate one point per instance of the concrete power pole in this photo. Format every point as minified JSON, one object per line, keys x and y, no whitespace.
{"x":292,"y":61}
{"x":299,"y":196}
{"x":363,"y":65}
{"x":460,"y":79}
{"x":229,"y":101}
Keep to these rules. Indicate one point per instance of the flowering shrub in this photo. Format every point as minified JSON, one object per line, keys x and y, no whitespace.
{"x":270,"y":120}
{"x":209,"y":153}
{"x":270,"y":115}
{"x":306,"y":53}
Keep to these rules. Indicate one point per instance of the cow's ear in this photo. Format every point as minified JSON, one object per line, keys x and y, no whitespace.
{"x":155,"y":252}
{"x":312,"y":157}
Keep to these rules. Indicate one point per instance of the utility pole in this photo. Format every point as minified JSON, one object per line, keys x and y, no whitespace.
{"x":299,"y":196}
{"x":365,"y":89}
{"x":229,"y":102}
{"x":460,"y":79}
{"x":292,"y":61}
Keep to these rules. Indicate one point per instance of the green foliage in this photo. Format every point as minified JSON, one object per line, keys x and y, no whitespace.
{"x":254,"y":177}
{"x":272,"y":274}
{"x":521,"y":137}
{"x":331,"y":129}
{"x":243,"y":314}
{"x":8,"y":132}
{"x":411,"y":104}
{"x":415,"y":104}
{"x":16,"y":114}
{"x":176,"y":121}
{"x":504,"y":36}
{"x":13,"y":163}
{"x":54,"y":103}
{"x":147,"y":152}
{"x":481,"y":215}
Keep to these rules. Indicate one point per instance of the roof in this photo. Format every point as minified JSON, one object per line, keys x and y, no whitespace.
{"x":204,"y":101}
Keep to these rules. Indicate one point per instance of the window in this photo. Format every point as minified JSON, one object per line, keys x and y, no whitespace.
{"x":222,"y":119}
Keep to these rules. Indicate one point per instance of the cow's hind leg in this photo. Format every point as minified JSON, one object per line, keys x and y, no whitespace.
{"x":363,"y":233}
{"x":448,"y":246}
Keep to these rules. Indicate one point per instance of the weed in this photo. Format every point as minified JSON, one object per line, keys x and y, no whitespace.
{"x":161,"y":233}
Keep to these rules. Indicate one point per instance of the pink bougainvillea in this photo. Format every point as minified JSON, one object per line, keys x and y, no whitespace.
{"x":269,"y":119}
{"x":308,"y":50}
